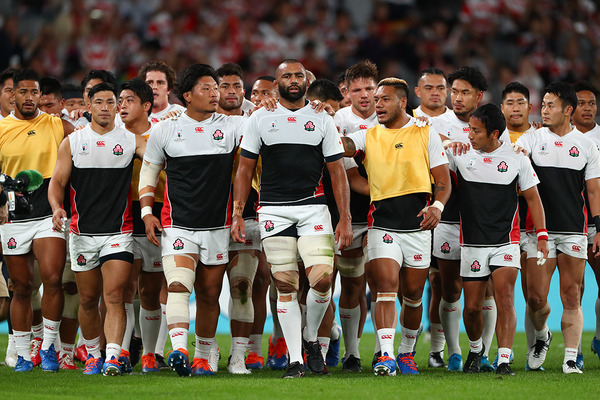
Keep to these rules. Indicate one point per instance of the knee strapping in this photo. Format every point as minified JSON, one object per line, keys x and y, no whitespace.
{"x":316,"y":250}
{"x":71,"y":307}
{"x":178,"y":311}
{"x":317,"y":273}
{"x":351,"y":267}
{"x":291,"y":278}
{"x":410,"y":302}
{"x":240,"y":282}
{"x":281,"y":253}
{"x":183,"y":271}
{"x":386,"y":296}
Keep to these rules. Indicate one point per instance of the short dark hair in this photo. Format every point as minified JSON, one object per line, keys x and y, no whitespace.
{"x":565,"y":92}
{"x":491,"y":117}
{"x":323,"y":90}
{"x":8,"y":73}
{"x":341,"y":78}
{"x":585,"y":85}
{"x":515,"y":87}
{"x":471,"y":75}
{"x":399,"y":84}
{"x":103,"y":75}
{"x":141,"y":89}
{"x":71,"y":91}
{"x":289,"y":61}
{"x":25,"y":74}
{"x":431,"y":71}
{"x":102,"y":87}
{"x":189,"y":77}
{"x":49,"y":85}
{"x":266,"y":78}
{"x":363,"y":69}
{"x":228,"y":69}
{"x":160,"y":66}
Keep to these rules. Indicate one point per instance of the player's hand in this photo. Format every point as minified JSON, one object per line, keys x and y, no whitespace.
{"x":270,"y":104}
{"x":537,"y":125}
{"x":77,"y":113}
{"x":172,"y":115}
{"x":152,"y":223}
{"x":320,"y":106}
{"x":518,"y":149}
{"x":458,"y":148}
{"x":343,"y":234}
{"x":421,"y":121}
{"x":4,"y":214}
{"x":59,"y":220}
{"x":238,"y":229}
{"x":431,"y":217}
{"x":596,"y":245}
{"x":542,"y":250}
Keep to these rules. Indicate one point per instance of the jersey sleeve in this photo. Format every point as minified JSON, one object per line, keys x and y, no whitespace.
{"x":251,"y":138}
{"x":437,"y":154}
{"x":155,"y":153}
{"x":332,"y":144}
{"x":525,"y":141}
{"x":360,"y":139}
{"x":349,"y":163}
{"x":240,"y":126}
{"x":527,"y":176}
{"x":592,"y":169}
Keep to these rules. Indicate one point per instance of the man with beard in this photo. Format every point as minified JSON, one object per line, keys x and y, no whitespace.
{"x":29,"y":139}
{"x":231,"y":91}
{"x":294,"y":141}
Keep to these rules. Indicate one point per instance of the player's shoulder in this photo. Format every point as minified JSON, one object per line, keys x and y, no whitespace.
{"x":175,"y":107}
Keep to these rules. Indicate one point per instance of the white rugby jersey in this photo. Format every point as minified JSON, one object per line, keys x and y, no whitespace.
{"x":347,"y":121}
{"x":198,"y":159}
{"x":563,"y":164}
{"x":101,"y":181}
{"x":294,"y":146}
{"x":418,"y":112}
{"x":156,"y":117}
{"x":594,"y":135}
{"x":488,"y":186}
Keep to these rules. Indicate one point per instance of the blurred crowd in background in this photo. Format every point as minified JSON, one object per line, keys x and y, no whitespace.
{"x":532,"y":41}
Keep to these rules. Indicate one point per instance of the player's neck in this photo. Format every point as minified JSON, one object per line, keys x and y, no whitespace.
{"x":198,"y":115}
{"x":494,"y":144}
{"x":583,"y":128}
{"x":20,"y":116}
{"x":292,"y":105}
{"x":430,"y":112}
{"x":463,"y":117}
{"x":138,"y":127}
{"x":363,"y":115}
{"x":399,"y":122}
{"x":100,"y":130}
{"x":518,"y":128}
{"x":4,"y":114}
{"x":562,"y":129}
{"x":160,"y":106}
{"x":235,"y":111}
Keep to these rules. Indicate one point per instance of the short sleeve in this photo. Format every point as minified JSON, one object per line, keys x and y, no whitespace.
{"x":360,"y":139}
{"x":527,"y":176}
{"x":592,"y":169}
{"x":349,"y":163}
{"x":525,"y":141}
{"x":155,"y":152}
{"x":437,"y":154}
{"x":251,"y":137}
{"x":332,"y":144}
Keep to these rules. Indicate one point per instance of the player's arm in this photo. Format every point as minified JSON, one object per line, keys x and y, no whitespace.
{"x":341,"y":193}
{"x":58,"y":183}
{"x":534,"y":203}
{"x":441,"y":193}
{"x":357,"y":182}
{"x":593,"y":189}
{"x":241,"y":190}
{"x":147,"y":187}
{"x":68,"y":127}
{"x":140,"y":146}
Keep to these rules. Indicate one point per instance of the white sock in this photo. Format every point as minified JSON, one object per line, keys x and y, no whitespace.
{"x":113,"y":350}
{"x":529,"y":330}
{"x":324,"y":344}
{"x":179,"y":338}
{"x":570,"y":354}
{"x":476,"y":345}
{"x":335,"y":332}
{"x":239,"y":345}
{"x":137,"y":329}
{"x":490,"y":315}
{"x":386,"y":340}
{"x":409,"y":339}
{"x":316,"y":306}
{"x":80,"y":340}
{"x":255,"y":344}
{"x":38,"y":330}
{"x":350,"y":320}
{"x":51,"y":330}
{"x":149,"y":327}
{"x":23,"y":344}
{"x":597,"y":334}
{"x":504,"y":355}
{"x":543,"y":334}
{"x":290,"y":320}
{"x":67,"y":348}
{"x":450,"y":314}
{"x":377,"y":344}
{"x":92,"y":347}
{"x":129,"y":327}
{"x":163,"y":332}
{"x":438,"y":340}
{"x":11,"y":347}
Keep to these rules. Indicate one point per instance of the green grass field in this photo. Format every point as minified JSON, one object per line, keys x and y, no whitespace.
{"x":430,"y":384}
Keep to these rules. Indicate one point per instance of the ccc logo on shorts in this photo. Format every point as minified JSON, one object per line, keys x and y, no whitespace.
{"x":508,"y":257}
{"x":576,"y":248}
{"x":318,"y":228}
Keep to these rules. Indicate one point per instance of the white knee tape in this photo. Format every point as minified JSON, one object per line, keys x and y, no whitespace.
{"x":178,"y":311}
{"x":351,"y":267}
{"x":247,"y":265}
{"x":242,"y":308}
{"x":281,"y":253}
{"x":183,"y":275}
{"x":411,"y":303}
{"x":36,"y":299}
{"x":71,"y":306}
{"x":316,"y":249}
{"x":386,"y":296}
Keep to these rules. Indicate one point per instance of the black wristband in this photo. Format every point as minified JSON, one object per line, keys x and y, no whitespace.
{"x":596,"y":221}
{"x":4,"y":199}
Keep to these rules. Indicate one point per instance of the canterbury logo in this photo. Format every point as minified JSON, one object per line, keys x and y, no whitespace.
{"x":157,"y":318}
{"x":281,"y":311}
{"x":50,"y":328}
{"x":204,"y":343}
{"x":344,"y":316}
{"x":387,"y":337}
{"x":505,"y":356}
{"x":410,"y":336}
{"x":322,"y":301}
{"x":487,"y":308}
{"x":450,"y":309}
{"x":177,"y":334}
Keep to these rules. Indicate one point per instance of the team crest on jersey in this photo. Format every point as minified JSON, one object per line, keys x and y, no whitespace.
{"x":387,"y":239}
{"x":179,"y":137}
{"x":118,"y":150}
{"x":502,"y":167}
{"x":309,"y":126}
{"x":81,"y":261}
{"x":574,"y":152}
{"x":475,"y":267}
{"x":218,"y":135}
{"x":269,"y":226}
{"x":178,"y":244}
{"x":12,"y":243}
{"x":445,"y":248}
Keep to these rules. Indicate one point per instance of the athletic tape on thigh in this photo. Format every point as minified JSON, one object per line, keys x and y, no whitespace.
{"x":411,"y":303}
{"x":316,"y":250}
{"x":71,"y":305}
{"x":386,"y":296}
{"x":351,"y":267}
{"x":183,"y":275}
{"x":281,"y":253}
{"x":178,"y":311}
{"x":242,"y":308}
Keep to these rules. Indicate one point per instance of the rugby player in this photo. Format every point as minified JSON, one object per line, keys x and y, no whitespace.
{"x":161,"y":78}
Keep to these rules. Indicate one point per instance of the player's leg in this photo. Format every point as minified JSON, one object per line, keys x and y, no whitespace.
{"x":163,"y":333}
{"x":504,"y":292}
{"x":150,"y":285}
{"x":474,"y":294}
{"x":260,"y":288}
{"x":595,"y":264}
{"x":89,"y":286}
{"x":69,"y":323}
{"x":129,"y":297}
{"x":490,"y":315}
{"x":438,"y":340}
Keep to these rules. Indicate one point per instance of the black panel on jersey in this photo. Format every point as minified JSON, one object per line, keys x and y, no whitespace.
{"x":399,"y":213}
{"x":39,"y":200}
{"x":139,"y":228}
{"x":291,"y":174}
{"x":487,"y":215}
{"x":329,"y":196}
{"x":451,"y":212}
{"x":198,"y":190}
{"x":251,"y":204}
{"x":561,"y":191}
{"x":101,"y":196}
